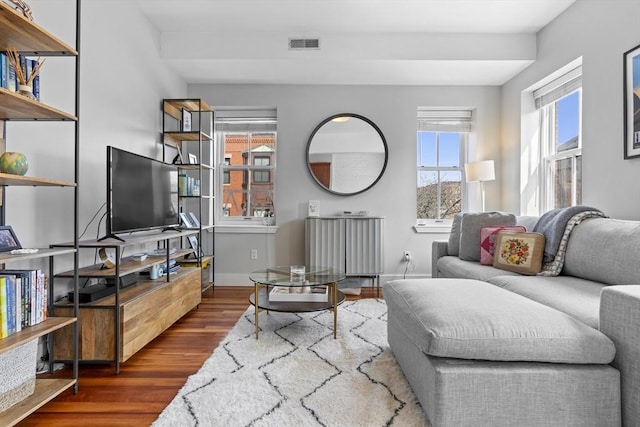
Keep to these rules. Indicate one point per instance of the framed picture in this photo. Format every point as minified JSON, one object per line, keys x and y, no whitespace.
{"x":194,"y":220}
{"x":186,"y":220}
{"x":632,"y":103}
{"x":186,"y":120}
{"x":519,"y":252}
{"x":193,"y":242}
{"x":8,"y":239}
{"x":193,"y":159}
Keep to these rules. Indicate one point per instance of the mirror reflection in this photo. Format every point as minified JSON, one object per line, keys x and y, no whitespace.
{"x":346,"y":154}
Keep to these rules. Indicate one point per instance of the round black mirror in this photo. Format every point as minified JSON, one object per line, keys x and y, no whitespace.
{"x":347,"y":154}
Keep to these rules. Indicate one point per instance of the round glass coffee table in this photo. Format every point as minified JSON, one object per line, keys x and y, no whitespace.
{"x":282,"y":289}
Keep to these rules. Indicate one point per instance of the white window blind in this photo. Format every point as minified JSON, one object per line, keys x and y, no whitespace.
{"x":442,"y":120}
{"x":558,"y":88}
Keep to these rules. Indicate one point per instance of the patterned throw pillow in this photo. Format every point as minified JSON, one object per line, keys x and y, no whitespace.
{"x":519,"y":252}
{"x":488,"y":241}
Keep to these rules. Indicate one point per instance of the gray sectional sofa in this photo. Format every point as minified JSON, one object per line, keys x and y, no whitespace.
{"x":485,"y":346}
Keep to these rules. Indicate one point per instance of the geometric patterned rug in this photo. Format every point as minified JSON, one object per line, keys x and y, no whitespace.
{"x":296,"y":374}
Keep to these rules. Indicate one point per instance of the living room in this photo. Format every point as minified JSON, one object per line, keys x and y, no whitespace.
{"x":126,"y":70}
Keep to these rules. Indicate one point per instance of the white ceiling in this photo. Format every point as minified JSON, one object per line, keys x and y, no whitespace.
{"x":395,"y":42}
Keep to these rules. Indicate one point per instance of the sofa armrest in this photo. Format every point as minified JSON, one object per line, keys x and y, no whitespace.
{"x":620,"y":321}
{"x":438,"y":250}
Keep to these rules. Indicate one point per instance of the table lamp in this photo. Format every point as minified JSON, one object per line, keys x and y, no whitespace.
{"x":480,"y":171}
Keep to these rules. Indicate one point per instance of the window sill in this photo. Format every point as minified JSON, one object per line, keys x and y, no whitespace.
{"x":245,"y":229}
{"x":433,"y":229}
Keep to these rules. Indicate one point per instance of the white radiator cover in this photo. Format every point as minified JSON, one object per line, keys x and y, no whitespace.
{"x":353,"y":245}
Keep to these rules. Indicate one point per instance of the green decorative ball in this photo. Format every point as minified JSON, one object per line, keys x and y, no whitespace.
{"x":14,"y":163}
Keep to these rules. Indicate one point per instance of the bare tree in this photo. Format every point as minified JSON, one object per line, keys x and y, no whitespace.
{"x":450,"y":199}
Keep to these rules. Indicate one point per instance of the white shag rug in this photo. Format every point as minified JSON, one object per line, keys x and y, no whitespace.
{"x":296,"y":374}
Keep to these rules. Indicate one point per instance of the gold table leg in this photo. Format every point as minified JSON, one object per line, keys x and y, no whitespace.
{"x":335,"y":309}
{"x":255,"y":300}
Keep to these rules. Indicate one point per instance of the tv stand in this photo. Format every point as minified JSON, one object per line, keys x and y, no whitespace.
{"x":113,"y":328}
{"x":178,"y":229}
{"x":111,"y":236}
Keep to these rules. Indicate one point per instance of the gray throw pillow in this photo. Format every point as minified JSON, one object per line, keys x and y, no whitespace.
{"x":470,"y":227}
{"x":453,"y":247}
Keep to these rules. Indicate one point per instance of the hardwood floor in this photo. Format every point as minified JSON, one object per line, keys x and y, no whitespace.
{"x":150,"y":379}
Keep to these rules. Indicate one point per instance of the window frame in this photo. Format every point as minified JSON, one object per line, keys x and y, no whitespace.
{"x":451,"y":120}
{"x":222,"y":207}
{"x":463,"y":143}
{"x":548,"y":158}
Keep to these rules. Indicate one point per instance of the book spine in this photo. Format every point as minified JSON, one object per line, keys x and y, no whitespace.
{"x":18,"y":303}
{"x":12,"y":84}
{"x":41,"y":300}
{"x":35,"y":297}
{"x":3,"y":70}
{"x":45,"y":295}
{"x":11,"y":306}
{"x":23,"y":303}
{"x":35,"y":84}
{"x":4,"y":331}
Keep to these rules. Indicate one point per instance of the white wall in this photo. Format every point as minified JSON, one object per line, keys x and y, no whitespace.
{"x":599,"y":31}
{"x":123,"y":81}
{"x":393,"y":109}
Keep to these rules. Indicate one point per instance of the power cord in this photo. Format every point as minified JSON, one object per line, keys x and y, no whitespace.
{"x":408,"y":267}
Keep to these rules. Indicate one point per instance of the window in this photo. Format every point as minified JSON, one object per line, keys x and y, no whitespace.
{"x":559,"y":105}
{"x":441,"y":154}
{"x":248,"y":141}
{"x":226,"y":177}
{"x":261,"y":176}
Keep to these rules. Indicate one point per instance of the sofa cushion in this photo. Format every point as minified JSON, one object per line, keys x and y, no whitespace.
{"x":576,"y":297}
{"x":528,"y":221}
{"x":470,"y":227}
{"x":470,"y":319}
{"x":453,"y":248}
{"x":588,"y":255}
{"x":450,"y":266}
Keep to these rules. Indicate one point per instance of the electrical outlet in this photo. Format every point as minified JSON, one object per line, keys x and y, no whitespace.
{"x":254,"y":254}
{"x":406,"y":256}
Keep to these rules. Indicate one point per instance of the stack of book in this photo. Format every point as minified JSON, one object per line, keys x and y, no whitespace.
{"x":23,"y":300}
{"x":299,"y":294}
{"x":8,"y":78}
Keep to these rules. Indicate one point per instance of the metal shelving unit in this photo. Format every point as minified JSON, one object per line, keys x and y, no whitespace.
{"x":197,"y":139}
{"x":31,"y":39}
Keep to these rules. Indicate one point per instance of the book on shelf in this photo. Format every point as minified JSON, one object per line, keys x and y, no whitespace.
{"x":3,"y":70}
{"x":12,"y":82}
{"x":299,"y":294}
{"x":8,"y":78}
{"x":32,"y":64}
{"x":4,"y":316}
{"x":23,"y":300}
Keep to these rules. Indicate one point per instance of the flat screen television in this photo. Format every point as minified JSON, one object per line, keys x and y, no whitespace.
{"x":142,"y":193}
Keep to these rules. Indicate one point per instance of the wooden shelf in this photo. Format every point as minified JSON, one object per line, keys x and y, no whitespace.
{"x":27,"y":36}
{"x":174,"y":107}
{"x":46,"y":390}
{"x":176,"y":137}
{"x":6,"y":257}
{"x":127,"y":266}
{"x":17,"y":107}
{"x":136,"y":239}
{"x":17,"y":180}
{"x":49,"y":325}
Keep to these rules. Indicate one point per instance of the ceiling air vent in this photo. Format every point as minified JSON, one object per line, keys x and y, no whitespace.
{"x":298,"y":44}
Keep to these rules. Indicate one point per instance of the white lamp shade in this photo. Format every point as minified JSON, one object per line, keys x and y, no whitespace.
{"x":480,"y":171}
